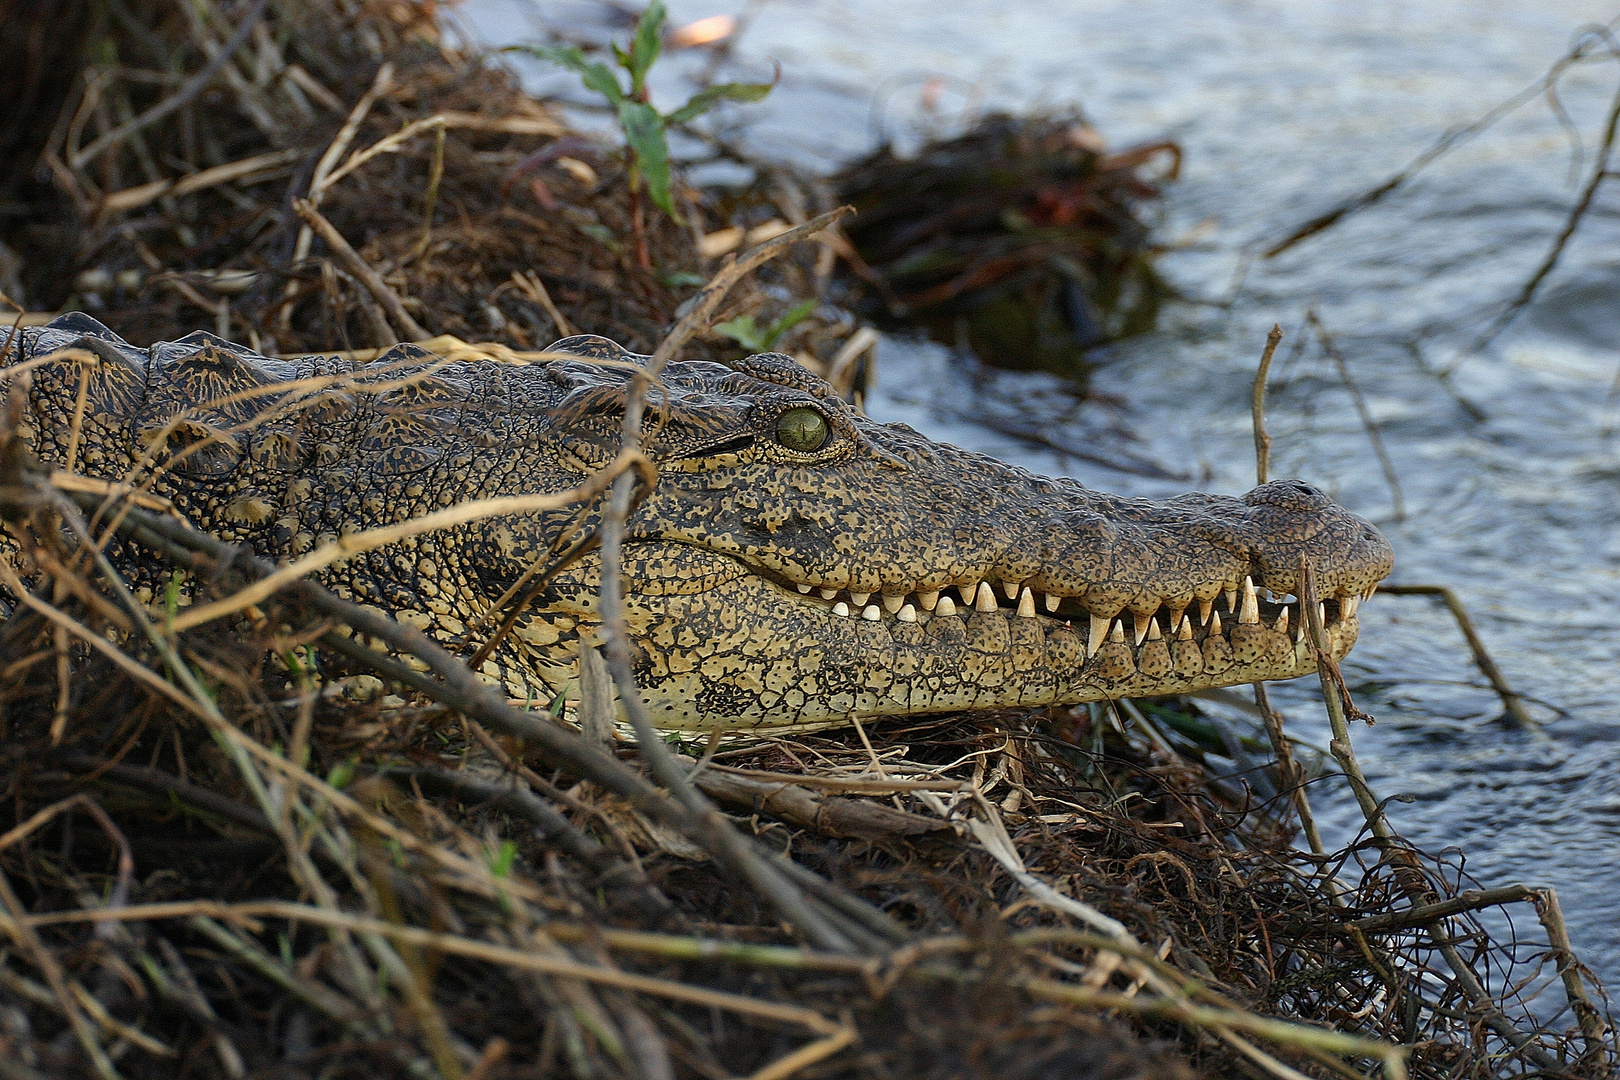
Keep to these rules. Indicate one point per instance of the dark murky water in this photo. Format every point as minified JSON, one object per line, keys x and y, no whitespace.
{"x":1284,"y":108}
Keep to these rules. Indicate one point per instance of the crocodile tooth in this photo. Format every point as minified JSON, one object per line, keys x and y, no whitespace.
{"x":891,"y":602}
{"x":1368,"y":595}
{"x":858,"y":599}
{"x":1175,"y":614}
{"x":805,"y":589}
{"x":984,"y":599}
{"x":907,"y":613}
{"x":1153,"y":632}
{"x":969,"y":589}
{"x":828,"y":594}
{"x":1250,"y":615}
{"x":1117,"y":633}
{"x":1026,"y":604}
{"x":841,"y":608}
{"x":1184,"y":629}
{"x":1051,"y":600}
{"x":1011,"y":589}
{"x":927,"y":598}
{"x":1347,"y":607}
{"x":872,"y":613}
{"x":1094,"y":640}
{"x":1282,"y":622}
{"x":1142,"y":623}
{"x":1321,"y":614}
{"x":1214,"y":624}
{"x":946,"y":606}
{"x":1231,"y":599}
{"x":1204,"y":608}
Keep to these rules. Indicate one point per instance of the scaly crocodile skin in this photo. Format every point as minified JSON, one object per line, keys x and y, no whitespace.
{"x":882,"y":573}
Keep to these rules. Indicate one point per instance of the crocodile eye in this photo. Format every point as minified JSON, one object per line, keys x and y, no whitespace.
{"x":802,"y":429}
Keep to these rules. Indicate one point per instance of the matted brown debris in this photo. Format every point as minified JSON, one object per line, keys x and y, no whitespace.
{"x":1021,"y":239}
{"x":272,"y":849}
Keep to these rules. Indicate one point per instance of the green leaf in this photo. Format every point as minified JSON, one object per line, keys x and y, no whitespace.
{"x":644,"y":49}
{"x":796,"y":315}
{"x":704,"y":100}
{"x":644,"y":131}
{"x":341,"y":774}
{"x":600,"y":233}
{"x":500,"y":863}
{"x":744,"y":331}
{"x":676,"y":279}
{"x":595,"y":76}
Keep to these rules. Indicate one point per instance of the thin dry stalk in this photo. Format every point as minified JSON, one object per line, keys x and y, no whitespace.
{"x":1593,"y":1026}
{"x":357,"y":266}
{"x":1511,"y":701}
{"x":1262,"y":440}
{"x":1374,"y":436}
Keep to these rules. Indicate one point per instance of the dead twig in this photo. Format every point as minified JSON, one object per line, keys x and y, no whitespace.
{"x":1262,"y":440}
{"x":1374,"y":436}
{"x":1511,"y":701}
{"x":1425,"y":914}
{"x":408,"y":327}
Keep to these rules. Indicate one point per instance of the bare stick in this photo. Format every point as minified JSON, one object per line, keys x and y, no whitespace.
{"x":355,"y":543}
{"x":133,"y":198}
{"x":1424,"y":914}
{"x":435,"y":174}
{"x":531,"y":286}
{"x":1262,"y":440}
{"x":1456,"y":136}
{"x":1510,"y":699}
{"x":1373,"y":435}
{"x":1332,"y":695}
{"x":1289,"y":773}
{"x":721,"y":840}
{"x":323,"y":168}
{"x":1569,"y":970}
{"x":360,"y":269}
{"x":28,"y":941}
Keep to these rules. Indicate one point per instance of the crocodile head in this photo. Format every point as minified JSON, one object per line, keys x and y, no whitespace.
{"x":796,"y":563}
{"x":800,"y":564}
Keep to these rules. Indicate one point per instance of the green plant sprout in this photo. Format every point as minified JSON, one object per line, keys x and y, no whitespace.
{"x":745,"y":332}
{"x":645,"y":128}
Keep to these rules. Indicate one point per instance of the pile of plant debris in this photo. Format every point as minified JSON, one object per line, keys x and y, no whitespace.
{"x":345,"y":181}
{"x":1022,"y":239}
{"x":272,"y":848}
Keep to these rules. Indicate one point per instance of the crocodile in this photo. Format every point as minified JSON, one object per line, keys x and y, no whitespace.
{"x":795,"y":565}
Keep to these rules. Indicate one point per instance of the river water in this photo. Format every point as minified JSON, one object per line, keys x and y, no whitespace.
{"x":1509,"y":475}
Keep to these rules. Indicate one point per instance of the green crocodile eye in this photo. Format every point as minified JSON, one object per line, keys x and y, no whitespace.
{"x":802,"y":429}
